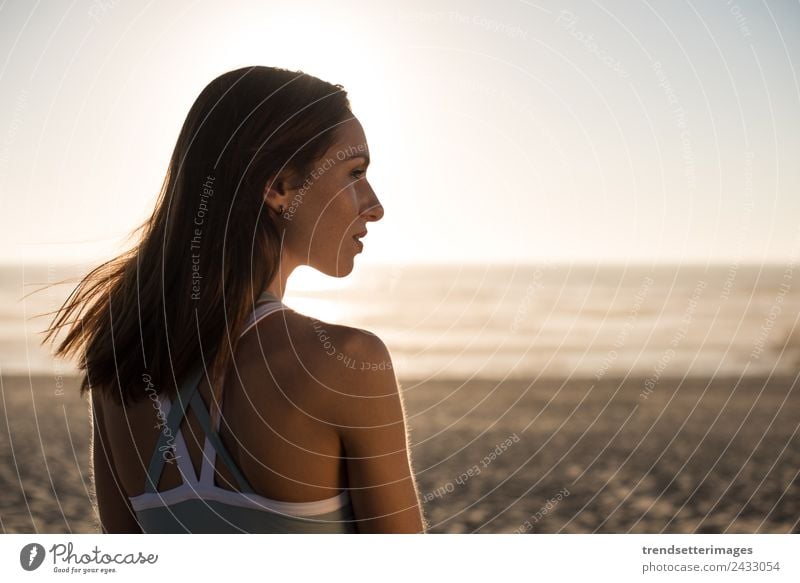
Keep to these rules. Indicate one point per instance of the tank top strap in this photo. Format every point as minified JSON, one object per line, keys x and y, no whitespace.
{"x":265,"y":305}
{"x":207,"y":471}
{"x":169,"y":432}
{"x":189,"y":396}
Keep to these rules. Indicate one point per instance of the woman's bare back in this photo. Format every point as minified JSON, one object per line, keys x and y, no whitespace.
{"x":275,"y":425}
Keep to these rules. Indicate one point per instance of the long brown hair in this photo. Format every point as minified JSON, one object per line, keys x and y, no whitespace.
{"x":177,"y":298}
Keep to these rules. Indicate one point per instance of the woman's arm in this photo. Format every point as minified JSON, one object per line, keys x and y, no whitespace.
{"x":371,"y":425}
{"x":116,"y":514}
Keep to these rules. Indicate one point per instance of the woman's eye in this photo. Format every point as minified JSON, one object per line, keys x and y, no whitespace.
{"x":356,"y":173}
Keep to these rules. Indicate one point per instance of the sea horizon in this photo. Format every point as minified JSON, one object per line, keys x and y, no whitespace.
{"x":519,"y":321}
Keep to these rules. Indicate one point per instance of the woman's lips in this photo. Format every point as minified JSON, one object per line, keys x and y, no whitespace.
{"x":357,"y":238}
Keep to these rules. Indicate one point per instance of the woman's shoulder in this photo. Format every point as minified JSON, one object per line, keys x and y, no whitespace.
{"x":339,"y":374}
{"x":329,"y":351}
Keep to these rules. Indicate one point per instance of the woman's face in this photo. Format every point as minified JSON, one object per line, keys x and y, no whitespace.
{"x":323,"y":214}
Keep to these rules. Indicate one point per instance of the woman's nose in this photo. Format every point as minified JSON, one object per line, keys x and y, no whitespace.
{"x":375,"y":212}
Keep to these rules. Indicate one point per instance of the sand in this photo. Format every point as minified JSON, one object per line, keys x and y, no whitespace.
{"x":518,"y":456}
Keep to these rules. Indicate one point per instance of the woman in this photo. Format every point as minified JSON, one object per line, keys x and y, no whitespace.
{"x":216,"y":408}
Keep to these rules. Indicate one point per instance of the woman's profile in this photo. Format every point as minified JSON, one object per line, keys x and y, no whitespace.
{"x":215,"y":407}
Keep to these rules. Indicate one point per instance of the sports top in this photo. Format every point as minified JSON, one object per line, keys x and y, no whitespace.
{"x":198,"y":505}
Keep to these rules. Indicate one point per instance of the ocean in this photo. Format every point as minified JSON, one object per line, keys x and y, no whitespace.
{"x":449,"y":322}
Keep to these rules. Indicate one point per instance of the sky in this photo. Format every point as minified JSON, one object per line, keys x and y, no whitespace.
{"x":499,"y":132}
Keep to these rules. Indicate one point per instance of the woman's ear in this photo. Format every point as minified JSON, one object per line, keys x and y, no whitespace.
{"x":278,"y":190}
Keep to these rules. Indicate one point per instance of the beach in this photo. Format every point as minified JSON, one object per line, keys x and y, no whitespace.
{"x":526,"y":456}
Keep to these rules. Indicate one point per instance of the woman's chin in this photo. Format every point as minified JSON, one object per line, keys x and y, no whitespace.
{"x":341,"y":269}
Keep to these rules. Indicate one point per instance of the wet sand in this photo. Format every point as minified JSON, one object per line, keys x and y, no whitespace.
{"x":550,"y":456}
